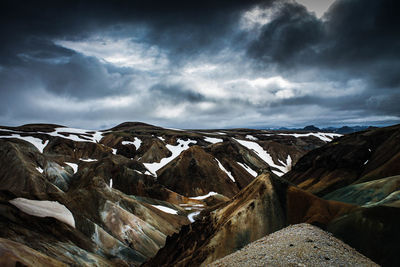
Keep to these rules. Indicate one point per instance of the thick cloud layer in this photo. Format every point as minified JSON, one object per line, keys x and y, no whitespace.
{"x":199,"y":64}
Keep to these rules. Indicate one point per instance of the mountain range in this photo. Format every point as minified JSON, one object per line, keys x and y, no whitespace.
{"x":340,"y":130}
{"x":141,"y":194}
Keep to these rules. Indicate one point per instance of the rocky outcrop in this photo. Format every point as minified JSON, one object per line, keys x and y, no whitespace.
{"x":361,"y":169}
{"x":373,"y":231}
{"x":196,"y":172}
{"x":384,"y":191}
{"x":19,"y":173}
{"x":263,"y":207}
{"x":355,"y":158}
{"x":16,"y":254}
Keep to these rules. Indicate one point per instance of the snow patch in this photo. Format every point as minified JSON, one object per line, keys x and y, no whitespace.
{"x":277,"y":173}
{"x":37,"y":142}
{"x":78,"y":135}
{"x":205,"y":196}
{"x":97,"y":136}
{"x":326,"y":137}
{"x":88,"y":160}
{"x":192,"y":215}
{"x":166,"y":209}
{"x":192,"y":205}
{"x":213,"y":140}
{"x":250,"y":137}
{"x":264,"y":155}
{"x":366,"y":162}
{"x":161,"y":138}
{"x":114,"y":151}
{"x":248,"y":169}
{"x":137,"y":142}
{"x":44,"y":208}
{"x":176,"y":151}
{"x":111,"y":183}
{"x":288,"y":164}
{"x":127,"y":143}
{"x":74,"y":166}
{"x":148,"y":173}
{"x":74,"y":134}
{"x":223,"y":169}
{"x":39,"y":169}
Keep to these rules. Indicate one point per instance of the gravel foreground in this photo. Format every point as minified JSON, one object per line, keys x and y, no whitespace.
{"x":296,"y":245}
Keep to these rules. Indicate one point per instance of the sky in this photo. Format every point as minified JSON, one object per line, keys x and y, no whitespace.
{"x":200,"y":64}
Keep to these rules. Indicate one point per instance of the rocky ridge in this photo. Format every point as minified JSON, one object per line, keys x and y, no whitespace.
{"x":119,"y":185}
{"x":350,"y":169}
{"x":266,"y":205}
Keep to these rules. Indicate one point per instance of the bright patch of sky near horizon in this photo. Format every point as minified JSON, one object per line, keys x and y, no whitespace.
{"x":317,"y":6}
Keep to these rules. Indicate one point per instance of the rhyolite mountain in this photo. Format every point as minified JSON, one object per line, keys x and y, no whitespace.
{"x":360,"y":169}
{"x":359,"y":203}
{"x":111,"y":198}
{"x":266,"y":205}
{"x":138,"y":193}
{"x":355,"y":158}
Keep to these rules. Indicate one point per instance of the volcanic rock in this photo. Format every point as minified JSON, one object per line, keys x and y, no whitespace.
{"x":123,"y":211}
{"x":355,"y":158}
{"x":296,"y":245}
{"x":266,"y":205}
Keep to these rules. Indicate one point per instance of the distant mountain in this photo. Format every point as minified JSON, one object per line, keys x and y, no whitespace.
{"x":348,"y":129}
{"x":311,"y":128}
{"x":339,"y":130}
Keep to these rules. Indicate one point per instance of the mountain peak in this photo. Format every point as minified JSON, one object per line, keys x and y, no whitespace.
{"x":311,"y":128}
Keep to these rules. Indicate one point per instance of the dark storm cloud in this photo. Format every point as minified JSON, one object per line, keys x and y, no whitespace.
{"x":46,"y":49}
{"x":63,"y":72}
{"x":290,"y":36}
{"x":371,"y":45}
{"x":175,"y":93}
{"x":28,"y":29}
{"x":179,"y":25}
{"x":358,"y":37}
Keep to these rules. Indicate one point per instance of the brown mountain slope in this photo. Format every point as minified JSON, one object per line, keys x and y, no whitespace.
{"x":109,"y":224}
{"x":355,"y":158}
{"x":373,"y":231}
{"x":16,"y":254}
{"x":195,"y":173}
{"x":110,"y":183}
{"x":264,"y":206}
{"x":384,"y":191}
